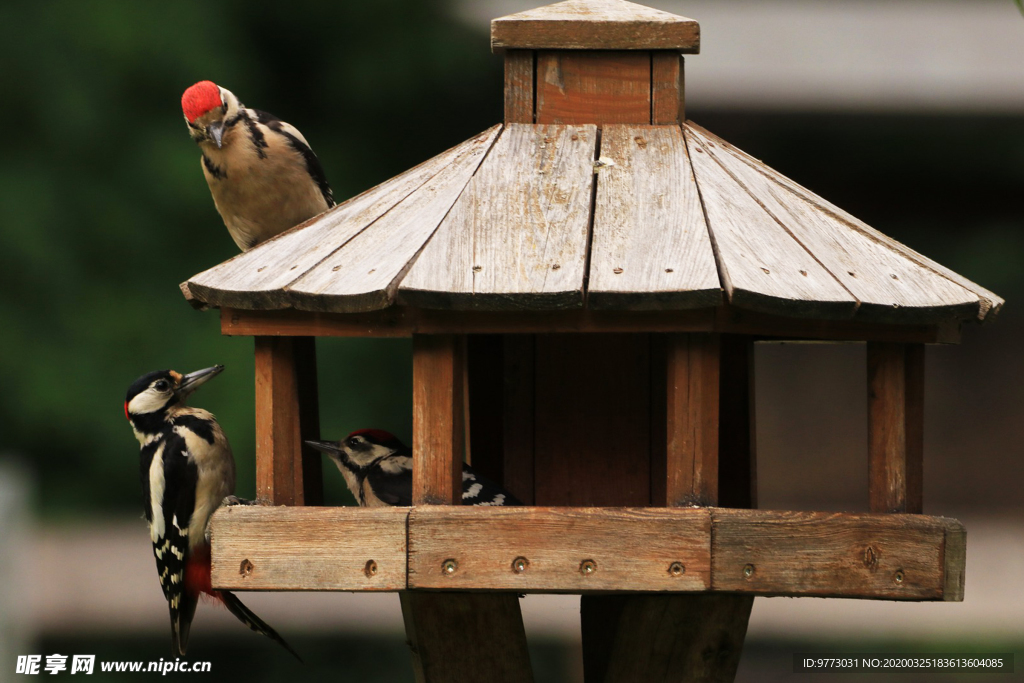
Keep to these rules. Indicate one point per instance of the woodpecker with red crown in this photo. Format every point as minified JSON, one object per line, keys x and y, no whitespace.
{"x":187,"y":471}
{"x":262,"y":173}
{"x":378,"y":470}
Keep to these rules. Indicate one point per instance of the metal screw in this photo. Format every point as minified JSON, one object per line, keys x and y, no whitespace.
{"x":520,"y":565}
{"x":804,"y":273}
{"x":668,"y":270}
{"x":245,"y":569}
{"x":449,"y":566}
{"x":556,"y":266}
{"x":588,"y":567}
{"x":766,"y":271}
{"x":370,"y":569}
{"x":477,"y":269}
{"x":898,"y":576}
{"x":617,"y":271}
{"x":748,"y":570}
{"x":676,"y":569}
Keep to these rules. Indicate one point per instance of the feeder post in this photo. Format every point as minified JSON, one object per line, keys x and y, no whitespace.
{"x":895,"y":426}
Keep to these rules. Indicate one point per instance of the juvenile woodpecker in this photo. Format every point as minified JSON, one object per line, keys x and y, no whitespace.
{"x":187,"y":470}
{"x":378,"y":470}
{"x":262,"y":173}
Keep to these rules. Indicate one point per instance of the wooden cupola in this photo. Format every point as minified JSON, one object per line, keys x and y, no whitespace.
{"x":583,"y":284}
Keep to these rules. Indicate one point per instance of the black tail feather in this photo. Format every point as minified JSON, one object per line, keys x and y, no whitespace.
{"x":181,"y":623}
{"x":249,"y":618}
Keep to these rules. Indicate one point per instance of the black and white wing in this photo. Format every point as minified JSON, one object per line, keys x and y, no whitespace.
{"x":478,"y":490}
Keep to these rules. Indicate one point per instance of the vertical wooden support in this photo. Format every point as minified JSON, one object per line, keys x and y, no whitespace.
{"x":593,"y":86}
{"x":519,"y":88}
{"x":895,"y":426}
{"x":692,"y":368}
{"x":287,"y":473}
{"x":453,"y":636}
{"x":667,"y":98}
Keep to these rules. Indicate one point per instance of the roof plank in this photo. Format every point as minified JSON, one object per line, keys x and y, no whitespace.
{"x":364,"y":273}
{"x":517,"y":237}
{"x":890,"y":287}
{"x":650,"y":246}
{"x":760,"y":264}
{"x":256,"y":279}
{"x":596,"y":25}
{"x":990,"y":302}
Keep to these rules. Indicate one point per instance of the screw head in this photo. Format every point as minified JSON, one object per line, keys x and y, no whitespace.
{"x":898,"y":576}
{"x":677,"y":569}
{"x":520,"y":565}
{"x":748,"y":570}
{"x":370,"y":569}
{"x":449,"y":567}
{"x":588,"y":567}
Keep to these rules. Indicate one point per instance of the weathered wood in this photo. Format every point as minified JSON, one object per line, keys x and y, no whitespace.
{"x":596,"y":25}
{"x":692,"y":395}
{"x":466,"y":637}
{"x":892,"y":557}
{"x":438,"y":363}
{"x":990,"y":302}
{"x":889,"y":286}
{"x":283,"y":384}
{"x":518,"y":418}
{"x":559,"y":549}
{"x":364,"y":273}
{"x":256,"y":279}
{"x":737,"y":442}
{"x":305,"y":548}
{"x":650,"y":245}
{"x":592,"y":397}
{"x":400,"y":321}
{"x":519,"y":70}
{"x":593,"y":87}
{"x":895,"y":426}
{"x":668,"y":96}
{"x":517,"y":236}
{"x":954,"y":560}
{"x":761,"y":266}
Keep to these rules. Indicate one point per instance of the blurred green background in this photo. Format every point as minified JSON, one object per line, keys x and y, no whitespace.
{"x":104,"y":210}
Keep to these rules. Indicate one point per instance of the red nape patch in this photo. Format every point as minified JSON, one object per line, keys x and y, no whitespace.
{"x":126,"y":415}
{"x":197,"y":572}
{"x":378,"y":435}
{"x":199,"y":99}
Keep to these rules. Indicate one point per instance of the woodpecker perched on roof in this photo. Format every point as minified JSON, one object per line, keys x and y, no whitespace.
{"x":187,"y":470}
{"x":262,"y":173}
{"x":378,"y":470}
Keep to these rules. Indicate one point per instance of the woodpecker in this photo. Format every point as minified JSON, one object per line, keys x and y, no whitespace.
{"x":187,"y":471}
{"x":378,"y":470}
{"x":262,"y":173}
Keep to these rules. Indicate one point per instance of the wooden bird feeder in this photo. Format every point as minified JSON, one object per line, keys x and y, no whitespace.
{"x":583,"y":285}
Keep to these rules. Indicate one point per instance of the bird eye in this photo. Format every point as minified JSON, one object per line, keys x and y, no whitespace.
{"x":162,"y":385}
{"x":354,"y":441}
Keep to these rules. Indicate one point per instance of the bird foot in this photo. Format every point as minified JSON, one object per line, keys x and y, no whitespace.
{"x":235,"y":500}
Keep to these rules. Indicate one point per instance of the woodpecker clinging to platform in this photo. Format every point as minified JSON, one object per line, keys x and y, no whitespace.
{"x":187,"y":470}
{"x":378,"y":470}
{"x":262,"y":173}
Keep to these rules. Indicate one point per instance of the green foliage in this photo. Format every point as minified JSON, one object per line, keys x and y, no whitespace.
{"x":105,"y":210}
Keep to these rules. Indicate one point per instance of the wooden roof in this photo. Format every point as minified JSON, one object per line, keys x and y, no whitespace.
{"x":533,"y":217}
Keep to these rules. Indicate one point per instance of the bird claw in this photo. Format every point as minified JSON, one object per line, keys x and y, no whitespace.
{"x":230,"y":501}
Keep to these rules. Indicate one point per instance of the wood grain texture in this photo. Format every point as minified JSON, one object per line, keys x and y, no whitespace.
{"x":630,"y":548}
{"x":895,"y":426}
{"x":517,"y":237}
{"x":364,"y":273}
{"x":281,"y":389}
{"x":592,"y":397}
{"x":438,"y":364}
{"x":593,"y":87}
{"x":256,"y":279}
{"x":990,"y":302}
{"x":955,"y":563}
{"x":519,"y":92}
{"x":306,"y":548}
{"x":650,"y":245}
{"x":760,"y":264}
{"x":692,"y":403}
{"x":400,"y":321}
{"x":596,"y":25}
{"x":893,"y":557}
{"x":668,"y":95}
{"x":889,"y":286}
{"x":466,"y":637}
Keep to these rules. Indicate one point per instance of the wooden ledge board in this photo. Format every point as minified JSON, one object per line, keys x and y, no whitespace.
{"x":290,"y":548}
{"x":400,"y":321}
{"x":720,"y":550}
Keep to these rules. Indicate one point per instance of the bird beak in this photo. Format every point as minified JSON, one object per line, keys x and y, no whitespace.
{"x":328,"y":447}
{"x":216,"y":131}
{"x":194,"y":380}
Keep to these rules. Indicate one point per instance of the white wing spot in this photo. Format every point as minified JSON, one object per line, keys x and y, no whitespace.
{"x":466,"y":476}
{"x":472,"y":491}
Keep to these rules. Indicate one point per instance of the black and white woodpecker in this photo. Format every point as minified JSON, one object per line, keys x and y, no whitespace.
{"x":262,"y":173}
{"x":187,"y":471}
{"x":378,"y":470}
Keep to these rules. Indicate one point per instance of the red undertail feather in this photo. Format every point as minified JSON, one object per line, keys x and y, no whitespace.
{"x":199,"y":99}
{"x":197,"y":572}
